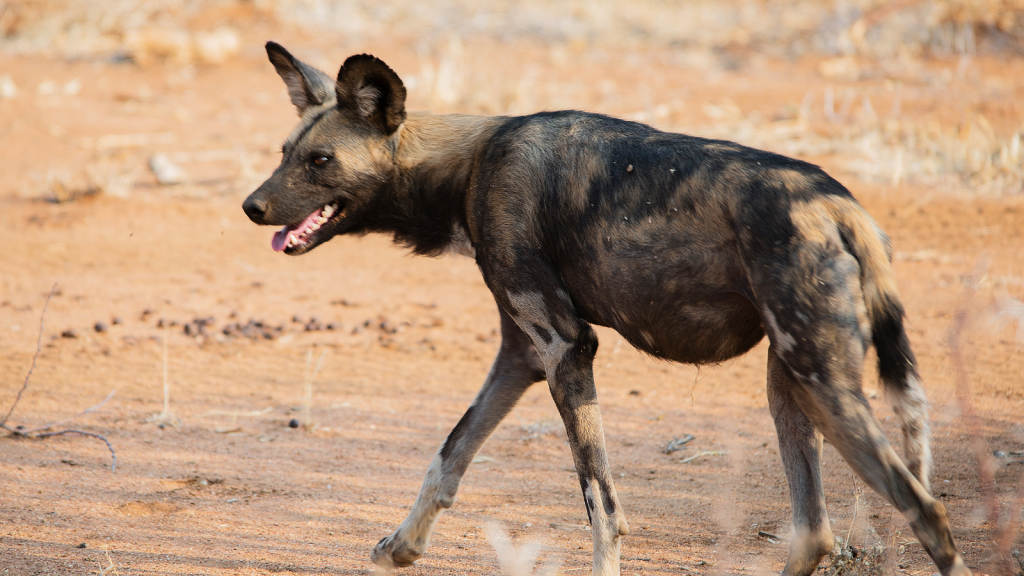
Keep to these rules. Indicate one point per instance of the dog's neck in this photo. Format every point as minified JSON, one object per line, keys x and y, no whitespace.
{"x":441,"y":146}
{"x":434,"y":156}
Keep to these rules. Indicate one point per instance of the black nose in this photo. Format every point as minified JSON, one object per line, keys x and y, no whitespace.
{"x":255,"y":208}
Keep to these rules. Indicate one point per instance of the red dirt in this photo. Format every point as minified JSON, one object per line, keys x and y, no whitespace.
{"x":218,"y":494}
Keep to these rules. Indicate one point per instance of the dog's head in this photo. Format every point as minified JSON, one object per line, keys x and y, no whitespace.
{"x":338,"y":157}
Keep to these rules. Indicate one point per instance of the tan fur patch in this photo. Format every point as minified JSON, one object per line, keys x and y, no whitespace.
{"x":792,"y":179}
{"x":879,"y":280}
{"x":722,"y":147}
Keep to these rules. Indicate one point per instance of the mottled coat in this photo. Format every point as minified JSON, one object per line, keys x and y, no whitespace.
{"x":692,"y":249}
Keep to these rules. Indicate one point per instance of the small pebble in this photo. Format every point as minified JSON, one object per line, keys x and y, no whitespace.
{"x":293,"y":423}
{"x":999,"y":454}
{"x":99,"y":327}
{"x":82,"y":545}
{"x":297,"y":319}
{"x":69,"y":333}
{"x":116,"y":321}
{"x":166,"y":171}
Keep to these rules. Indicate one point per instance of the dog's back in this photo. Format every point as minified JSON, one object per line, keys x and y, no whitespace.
{"x":652,"y":233}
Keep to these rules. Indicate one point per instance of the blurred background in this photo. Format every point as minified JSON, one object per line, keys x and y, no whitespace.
{"x":921,"y":91}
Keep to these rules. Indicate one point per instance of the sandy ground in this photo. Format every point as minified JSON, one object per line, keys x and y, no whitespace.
{"x":229,"y":488}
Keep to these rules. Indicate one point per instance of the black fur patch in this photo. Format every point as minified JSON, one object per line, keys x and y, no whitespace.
{"x":456,"y":434}
{"x":895,"y":358}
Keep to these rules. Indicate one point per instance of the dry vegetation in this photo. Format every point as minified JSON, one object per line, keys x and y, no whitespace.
{"x":164,"y":112}
{"x":850,"y":41}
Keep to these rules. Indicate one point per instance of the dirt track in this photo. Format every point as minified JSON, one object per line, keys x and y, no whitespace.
{"x":246,"y":494}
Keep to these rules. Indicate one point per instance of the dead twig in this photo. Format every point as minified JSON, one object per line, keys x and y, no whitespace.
{"x":39,"y":347}
{"x":113,"y":455}
{"x":702,"y":454}
{"x":40,"y":432}
{"x":771,"y":536}
{"x":1003,"y":532}
{"x":45,"y":427}
{"x":986,"y":476}
{"x":1008,"y":534}
{"x":678,"y":443}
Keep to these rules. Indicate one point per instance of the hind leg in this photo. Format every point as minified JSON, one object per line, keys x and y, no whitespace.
{"x":816,"y":334}
{"x":800,"y":447}
{"x":846,"y":421}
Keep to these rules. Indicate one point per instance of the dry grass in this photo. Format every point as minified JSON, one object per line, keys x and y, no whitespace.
{"x":307,"y":389}
{"x":182,"y":29}
{"x":877,"y":146}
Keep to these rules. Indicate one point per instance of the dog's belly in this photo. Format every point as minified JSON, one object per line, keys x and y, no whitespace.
{"x":708,"y":331}
{"x":667,"y":310}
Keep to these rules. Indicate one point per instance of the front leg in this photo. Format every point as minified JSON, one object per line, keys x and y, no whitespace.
{"x":567,"y":346}
{"x":515,"y":369}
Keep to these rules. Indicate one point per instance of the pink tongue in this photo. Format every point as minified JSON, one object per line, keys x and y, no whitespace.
{"x":280,"y":239}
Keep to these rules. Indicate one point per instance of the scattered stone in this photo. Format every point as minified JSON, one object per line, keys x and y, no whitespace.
{"x":293,"y":423}
{"x":297,"y":319}
{"x":7,"y":88}
{"x":167,"y":173}
{"x":69,"y":333}
{"x":100,"y":327}
{"x":116,"y":321}
{"x":253,"y":329}
{"x":634,"y":392}
{"x":83,"y":545}
{"x":145,"y":313}
{"x":333,"y":326}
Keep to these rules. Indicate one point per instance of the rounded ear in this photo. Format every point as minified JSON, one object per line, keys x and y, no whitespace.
{"x":367,"y":87}
{"x":307,"y":86}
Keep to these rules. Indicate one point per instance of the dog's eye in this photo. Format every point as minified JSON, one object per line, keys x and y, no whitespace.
{"x":320,"y":160}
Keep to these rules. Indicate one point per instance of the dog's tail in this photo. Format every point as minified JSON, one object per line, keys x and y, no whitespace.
{"x":897,"y":367}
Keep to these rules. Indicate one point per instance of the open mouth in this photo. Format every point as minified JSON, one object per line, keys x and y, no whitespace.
{"x":304,"y":236}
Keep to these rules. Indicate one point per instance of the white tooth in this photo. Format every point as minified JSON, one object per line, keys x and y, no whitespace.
{"x":314,"y":226}
{"x":328,"y":210}
{"x":322,"y":220}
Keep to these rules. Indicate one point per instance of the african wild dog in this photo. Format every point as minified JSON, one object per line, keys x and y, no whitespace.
{"x":692,"y":249}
